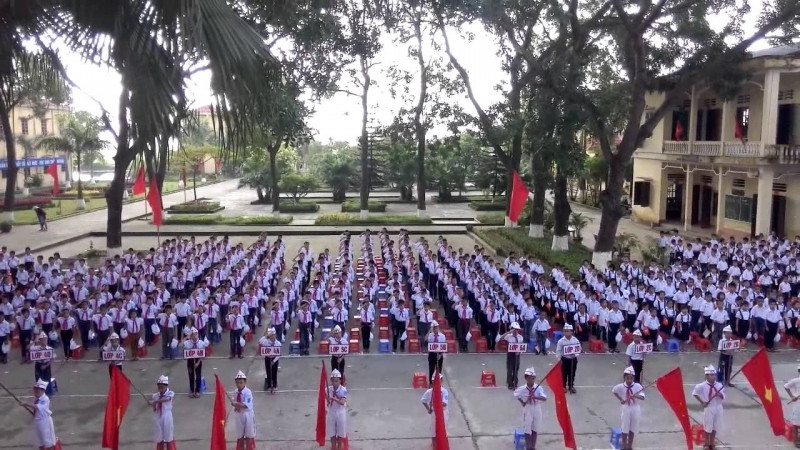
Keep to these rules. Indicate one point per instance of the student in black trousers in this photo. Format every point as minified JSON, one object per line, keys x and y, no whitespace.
{"x":435,"y":359}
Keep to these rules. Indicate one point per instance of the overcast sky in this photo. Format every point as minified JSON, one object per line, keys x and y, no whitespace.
{"x":337,"y":117}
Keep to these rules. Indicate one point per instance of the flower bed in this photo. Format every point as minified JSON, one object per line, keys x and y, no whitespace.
{"x":214,"y":219}
{"x":351,"y":219}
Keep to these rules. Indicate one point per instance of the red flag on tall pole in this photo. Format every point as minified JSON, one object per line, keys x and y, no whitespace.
{"x":678,"y":136}
{"x":218,"y":418}
{"x":322,"y":403}
{"x":519,"y":195}
{"x":119,"y":395}
{"x":154,"y":199}
{"x":139,"y":184}
{"x":759,"y":374}
{"x":553,"y":379}
{"x":671,"y":388}
{"x":442,"y":443}
{"x":52,"y":170}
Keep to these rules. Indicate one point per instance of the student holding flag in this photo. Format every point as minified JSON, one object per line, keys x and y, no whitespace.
{"x":629,"y":393}
{"x":710,"y":394}
{"x":793,"y":389}
{"x":244,"y":415}
{"x":427,"y":402}
{"x":337,"y":411}
{"x":163,"y":426}
{"x":45,"y":435}
{"x":531,"y":396}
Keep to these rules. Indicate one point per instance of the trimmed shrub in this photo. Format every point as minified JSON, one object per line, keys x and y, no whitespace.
{"x":350,"y":219}
{"x":300,"y":207}
{"x":355,"y":206}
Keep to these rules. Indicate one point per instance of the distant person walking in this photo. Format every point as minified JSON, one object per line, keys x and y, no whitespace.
{"x":42,"y":216}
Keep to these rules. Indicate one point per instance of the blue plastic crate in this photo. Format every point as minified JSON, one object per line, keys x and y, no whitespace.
{"x":616,"y":435}
{"x":174,"y":352}
{"x":294,"y":348}
{"x":532,"y":345}
{"x":325,"y":333}
{"x":556,"y":336}
{"x":519,"y":439}
{"x":52,"y":388}
{"x":673,"y":346}
{"x":383,"y":346}
{"x":327,"y":322}
{"x":202,"y":384}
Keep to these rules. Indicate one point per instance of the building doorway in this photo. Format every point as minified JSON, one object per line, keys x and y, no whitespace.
{"x":784,"y":134}
{"x":674,"y":207}
{"x":702,"y":205}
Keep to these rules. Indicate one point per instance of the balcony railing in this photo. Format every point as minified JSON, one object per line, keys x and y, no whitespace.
{"x":785,"y":154}
{"x":736,"y":149}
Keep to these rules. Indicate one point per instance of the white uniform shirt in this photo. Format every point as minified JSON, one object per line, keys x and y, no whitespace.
{"x":632,"y":394}
{"x":564,"y":342}
{"x":631,"y":352}
{"x":706,"y":390}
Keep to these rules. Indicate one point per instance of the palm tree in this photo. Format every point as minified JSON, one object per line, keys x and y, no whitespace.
{"x":80,"y":134}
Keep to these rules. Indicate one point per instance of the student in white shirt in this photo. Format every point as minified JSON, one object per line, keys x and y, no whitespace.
{"x":531,"y":396}
{"x":540,"y":328}
{"x":401,"y":317}
{"x":710,"y":395}
{"x":66,"y":327}
{"x":243,"y":413}
{"x":163,"y":426}
{"x":629,"y":393}
{"x":270,"y":362}
{"x":427,"y":402}
{"x":5,"y":333}
{"x":792,"y":388}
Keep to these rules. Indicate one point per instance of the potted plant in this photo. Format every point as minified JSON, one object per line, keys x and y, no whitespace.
{"x":577,"y":222}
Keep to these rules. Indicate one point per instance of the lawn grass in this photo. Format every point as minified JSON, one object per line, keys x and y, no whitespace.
{"x":28,"y":217}
{"x":504,"y":240}
{"x":214,"y":219}
{"x":498,"y":205}
{"x":491,"y":219}
{"x":352,"y":219}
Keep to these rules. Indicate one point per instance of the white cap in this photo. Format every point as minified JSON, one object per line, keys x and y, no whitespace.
{"x":727,"y":329}
{"x":40,"y":384}
{"x":709,"y":369}
{"x":515,"y":326}
{"x":240,"y":376}
{"x":567,"y":327}
{"x":42,"y":335}
{"x":336,"y":374}
{"x":530,"y":372}
{"x":193,"y":330}
{"x":163,"y":379}
{"x":337,"y":328}
{"x":270,"y":331}
{"x":629,"y":371}
{"x":114,"y":336}
{"x":637,"y":333}
{"x":434,"y":324}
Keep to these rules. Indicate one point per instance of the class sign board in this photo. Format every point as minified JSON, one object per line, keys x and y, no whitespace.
{"x":643,"y":348}
{"x":339,"y":349}
{"x":270,"y":351}
{"x":437,"y":347}
{"x":730,"y":345}
{"x":41,"y":355}
{"x":572,"y":349}
{"x":193,"y":353}
{"x":113,"y":355}
{"x":517,"y":347}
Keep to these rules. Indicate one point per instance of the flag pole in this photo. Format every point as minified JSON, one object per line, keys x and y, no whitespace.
{"x":16,"y":398}
{"x":139,"y":391}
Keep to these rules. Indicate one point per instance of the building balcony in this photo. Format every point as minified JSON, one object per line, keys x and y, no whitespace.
{"x":783,"y":154}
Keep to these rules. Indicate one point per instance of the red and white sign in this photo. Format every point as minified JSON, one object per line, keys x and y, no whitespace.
{"x":270,"y":351}
{"x":730,"y":345}
{"x":437,"y":347}
{"x":191,"y":353}
{"x":643,"y":348}
{"x":114,"y":355}
{"x":571,"y":349}
{"x":339,"y":349}
{"x":517,"y":347}
{"x":41,"y":355}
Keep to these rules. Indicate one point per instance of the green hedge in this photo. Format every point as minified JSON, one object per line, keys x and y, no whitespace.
{"x":214,"y":219}
{"x":198,"y":206}
{"x":491,"y":219}
{"x":301,"y":207}
{"x":355,"y":206}
{"x":352,"y":219}
{"x":498,"y":205}
{"x":504,"y":240}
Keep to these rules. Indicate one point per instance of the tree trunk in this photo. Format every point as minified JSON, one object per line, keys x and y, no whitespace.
{"x":539,"y":193}
{"x":561,"y":211}
{"x":114,"y":195}
{"x":161,"y":169}
{"x":260,"y":194}
{"x":611,"y":212}
{"x":80,"y":183}
{"x":273,"y":170}
{"x":194,"y":183}
{"x":11,"y":157}
{"x":418,"y":125}
{"x":364,"y":140}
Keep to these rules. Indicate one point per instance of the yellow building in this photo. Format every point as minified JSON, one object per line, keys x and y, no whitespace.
{"x":27,"y":126}
{"x":205,"y":115}
{"x":730,"y":167}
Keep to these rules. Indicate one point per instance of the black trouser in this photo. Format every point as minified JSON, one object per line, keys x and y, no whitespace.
{"x":271,"y":368}
{"x":305,"y":329}
{"x":102,"y":337}
{"x":422,"y":330}
{"x":278,"y":331}
{"x":613,"y":329}
{"x":66,"y":339}
{"x":83,"y":327}
{"x":181,"y":324}
{"x":166,"y":341}
{"x":195,"y":367}
{"x":568,"y":369}
{"x":41,"y":371}
{"x":725,"y":366}
{"x":512,"y":369}
{"x":236,"y":349}
{"x":337,"y":363}
{"x":462,"y":328}
{"x":3,"y":355}
{"x":435,"y":362}
{"x":769,"y":335}
{"x":491,"y":333}
{"x":638,"y":366}
{"x":24,"y":341}
{"x":148,"y":331}
{"x":366,"y":329}
{"x":399,"y":329}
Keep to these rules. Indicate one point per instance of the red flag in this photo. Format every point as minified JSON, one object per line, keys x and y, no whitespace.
{"x":442,"y":443}
{"x":671,"y":388}
{"x":138,"y":185}
{"x":759,"y":374}
{"x":218,"y":418}
{"x":154,"y":199}
{"x":519,"y":195}
{"x":737,"y":130}
{"x":553,"y":379}
{"x":678,"y":136}
{"x":52,"y":170}
{"x":119,"y":395}
{"x":322,"y":402}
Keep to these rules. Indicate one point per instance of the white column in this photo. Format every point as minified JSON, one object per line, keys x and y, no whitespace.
{"x":720,"y":197}
{"x":693,"y":120}
{"x":769,"y":112}
{"x":764,"y":205}
{"x":687,"y":199}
